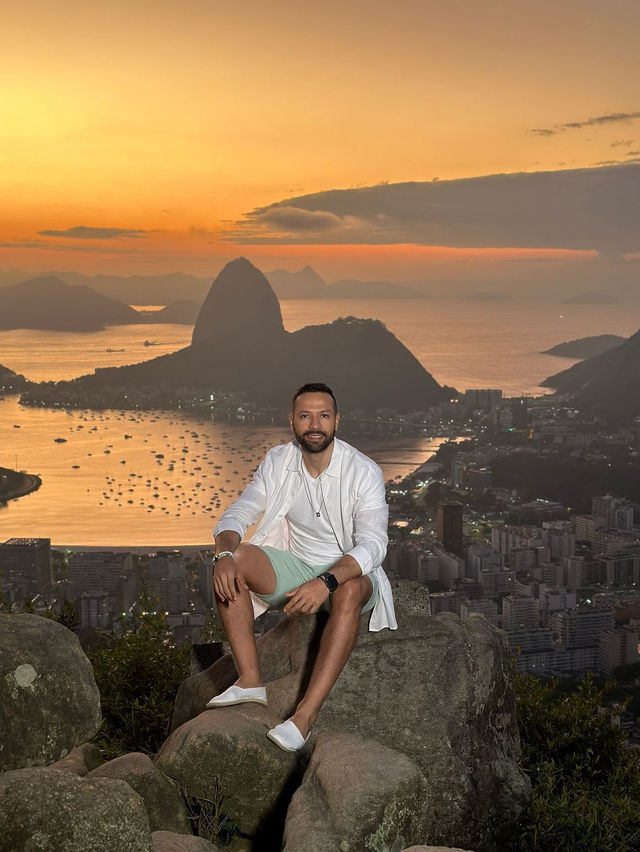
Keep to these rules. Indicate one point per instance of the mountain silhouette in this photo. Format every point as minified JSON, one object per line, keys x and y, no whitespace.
{"x":239,"y":345}
{"x":239,"y":305}
{"x":48,"y":303}
{"x":608,"y":383}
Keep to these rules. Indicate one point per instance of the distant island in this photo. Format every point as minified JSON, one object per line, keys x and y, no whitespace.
{"x":250,"y":356}
{"x":182,"y":312}
{"x":585,"y":347}
{"x":487,"y":296}
{"x":592,"y":299}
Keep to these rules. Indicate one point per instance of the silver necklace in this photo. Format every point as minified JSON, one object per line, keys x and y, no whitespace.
{"x":308,"y":490}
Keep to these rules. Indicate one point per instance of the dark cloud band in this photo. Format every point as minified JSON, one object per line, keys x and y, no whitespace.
{"x":83,"y":232}
{"x":582,"y":209}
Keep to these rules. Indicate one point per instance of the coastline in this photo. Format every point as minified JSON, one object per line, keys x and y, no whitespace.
{"x":26,"y":484}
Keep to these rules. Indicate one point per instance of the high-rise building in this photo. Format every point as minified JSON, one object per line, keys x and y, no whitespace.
{"x":617,"y":647}
{"x":520,"y":612}
{"x":579,"y":627}
{"x":450,"y":527}
{"x":25,"y":566}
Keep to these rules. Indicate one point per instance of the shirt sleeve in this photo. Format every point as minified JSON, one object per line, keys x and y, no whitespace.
{"x":371,"y":519}
{"x":247,"y":508}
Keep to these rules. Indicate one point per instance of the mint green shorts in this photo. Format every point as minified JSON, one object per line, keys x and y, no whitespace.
{"x":291,"y":572}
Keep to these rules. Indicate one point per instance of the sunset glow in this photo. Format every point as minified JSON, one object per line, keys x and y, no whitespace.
{"x":178,"y":121}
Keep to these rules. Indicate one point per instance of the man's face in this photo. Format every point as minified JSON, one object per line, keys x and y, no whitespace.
{"x":314,"y":421}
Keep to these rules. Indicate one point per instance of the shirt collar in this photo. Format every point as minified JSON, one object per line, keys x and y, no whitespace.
{"x":333,"y":468}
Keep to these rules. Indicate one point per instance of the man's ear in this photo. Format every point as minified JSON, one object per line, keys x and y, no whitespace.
{"x":337,"y":420}
{"x":291,"y":420}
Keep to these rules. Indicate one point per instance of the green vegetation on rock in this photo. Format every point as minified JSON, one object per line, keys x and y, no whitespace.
{"x":138,"y":672}
{"x":586,"y":781}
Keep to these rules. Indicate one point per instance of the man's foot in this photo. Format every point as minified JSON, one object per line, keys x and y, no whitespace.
{"x":287,"y":736}
{"x":239,"y":695}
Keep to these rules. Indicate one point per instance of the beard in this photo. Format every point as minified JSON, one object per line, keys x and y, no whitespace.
{"x":314,"y":446}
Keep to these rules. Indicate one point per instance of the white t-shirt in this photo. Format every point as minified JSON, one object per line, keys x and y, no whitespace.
{"x":311,"y":535}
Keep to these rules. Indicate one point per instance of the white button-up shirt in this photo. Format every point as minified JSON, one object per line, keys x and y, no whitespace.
{"x":354,"y":495}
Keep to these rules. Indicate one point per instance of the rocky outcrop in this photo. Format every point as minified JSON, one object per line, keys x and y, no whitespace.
{"x":438,"y":691}
{"x":163,"y":800}
{"x":81,"y":760}
{"x":49,"y":809}
{"x":49,"y":701}
{"x":226,"y":753}
{"x":167,"y":841}
{"x":358,"y":795}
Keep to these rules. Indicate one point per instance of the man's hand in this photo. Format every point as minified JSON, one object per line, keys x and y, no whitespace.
{"x":227,"y":580}
{"x":307,"y":598}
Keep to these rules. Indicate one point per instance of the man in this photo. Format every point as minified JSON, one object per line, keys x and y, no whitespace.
{"x":321,"y":540}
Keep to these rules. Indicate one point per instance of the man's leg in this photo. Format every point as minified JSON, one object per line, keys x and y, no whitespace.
{"x":237,"y":618}
{"x":337,"y":641}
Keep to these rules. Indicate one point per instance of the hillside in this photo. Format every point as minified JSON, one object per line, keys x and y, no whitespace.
{"x":239,"y":345}
{"x":48,"y":303}
{"x":608,"y":383}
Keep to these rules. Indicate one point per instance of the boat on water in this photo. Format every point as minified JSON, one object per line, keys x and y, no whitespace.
{"x":60,"y":440}
{"x":151,"y":343}
{"x":111,"y":349}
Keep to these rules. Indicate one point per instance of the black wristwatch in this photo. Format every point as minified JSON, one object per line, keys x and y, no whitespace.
{"x":329,"y":580}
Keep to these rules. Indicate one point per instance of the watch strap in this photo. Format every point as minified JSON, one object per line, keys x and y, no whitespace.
{"x":329,"y":580}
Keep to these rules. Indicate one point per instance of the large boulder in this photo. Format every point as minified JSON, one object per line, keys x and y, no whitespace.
{"x":49,"y":701}
{"x":163,"y":800}
{"x":438,"y":690}
{"x":81,"y":760}
{"x":49,"y":809}
{"x":356,"y":796}
{"x":167,"y":841}
{"x":223,"y":756}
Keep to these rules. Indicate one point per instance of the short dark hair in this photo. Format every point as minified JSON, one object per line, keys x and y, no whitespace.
{"x":314,"y":387}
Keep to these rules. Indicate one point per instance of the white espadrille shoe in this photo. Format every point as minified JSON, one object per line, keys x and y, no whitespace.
{"x":239,"y":695}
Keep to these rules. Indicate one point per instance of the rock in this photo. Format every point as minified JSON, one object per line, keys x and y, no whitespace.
{"x":225,"y":753}
{"x":356,"y":796}
{"x":439,"y":690}
{"x":434,"y":849}
{"x":48,"y":809}
{"x":167,"y":841}
{"x":49,"y":701}
{"x":163,"y":800}
{"x":81,"y":760}
{"x":282,"y":650}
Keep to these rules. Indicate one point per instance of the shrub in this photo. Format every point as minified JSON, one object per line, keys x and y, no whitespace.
{"x":138,"y":673}
{"x":586,"y":782}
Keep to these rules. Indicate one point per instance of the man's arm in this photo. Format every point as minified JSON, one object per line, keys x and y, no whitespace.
{"x":371,"y":521}
{"x":229,"y":533}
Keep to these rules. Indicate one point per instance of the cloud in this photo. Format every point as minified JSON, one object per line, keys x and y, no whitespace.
{"x":598,"y":120}
{"x":83,"y":232}
{"x":592,"y":209}
{"x":622,"y":143}
{"x":297,"y":219}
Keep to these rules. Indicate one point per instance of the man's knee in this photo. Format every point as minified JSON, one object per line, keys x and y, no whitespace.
{"x":255,"y":566}
{"x":352,"y":595}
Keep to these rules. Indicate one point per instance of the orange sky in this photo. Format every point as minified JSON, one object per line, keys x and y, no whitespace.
{"x":177,"y":119}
